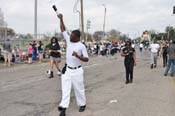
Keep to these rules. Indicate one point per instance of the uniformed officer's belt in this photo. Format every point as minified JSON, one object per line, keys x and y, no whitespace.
{"x":74,"y":67}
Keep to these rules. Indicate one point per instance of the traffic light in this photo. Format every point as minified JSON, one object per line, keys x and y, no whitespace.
{"x":174,"y":10}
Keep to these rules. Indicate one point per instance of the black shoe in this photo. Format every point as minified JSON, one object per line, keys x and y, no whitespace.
{"x":155,"y":66}
{"x":63,"y":113}
{"x":82,"y":108}
{"x":51,"y":74}
{"x":126,"y":82}
{"x":61,"y":109}
{"x":151,"y":66}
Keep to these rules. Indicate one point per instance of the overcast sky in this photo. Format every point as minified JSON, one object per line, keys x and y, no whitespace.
{"x":128,"y":16}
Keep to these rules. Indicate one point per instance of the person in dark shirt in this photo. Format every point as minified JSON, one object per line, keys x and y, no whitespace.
{"x":34,"y":52}
{"x":97,"y":49}
{"x":165,"y":54}
{"x":55,"y":55}
{"x":171,"y":60}
{"x":7,"y":52}
{"x":130,"y":60}
{"x":40,"y":51}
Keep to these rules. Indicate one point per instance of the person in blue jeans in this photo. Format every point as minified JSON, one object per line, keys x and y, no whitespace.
{"x":171,"y":60}
{"x":34,"y":52}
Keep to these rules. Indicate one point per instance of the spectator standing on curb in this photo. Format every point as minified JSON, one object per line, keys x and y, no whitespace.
{"x":7,"y":52}
{"x":40,"y":51}
{"x":30,"y":51}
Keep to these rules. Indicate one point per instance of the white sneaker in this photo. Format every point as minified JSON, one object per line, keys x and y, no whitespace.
{"x":48,"y":72}
{"x":59,"y":73}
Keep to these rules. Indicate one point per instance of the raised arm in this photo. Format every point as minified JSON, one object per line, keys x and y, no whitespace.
{"x":62,"y":26}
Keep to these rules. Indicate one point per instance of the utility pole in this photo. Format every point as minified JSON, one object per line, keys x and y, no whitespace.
{"x":82,"y":19}
{"x":75,"y":10}
{"x":35,"y":20}
{"x":79,"y":19}
{"x":104,"y":22}
{"x":6,"y":28}
{"x":168,"y":35}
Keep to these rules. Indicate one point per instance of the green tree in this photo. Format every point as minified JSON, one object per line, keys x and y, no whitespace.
{"x":89,"y":37}
{"x":98,"y":35}
{"x":10,"y":32}
{"x":152,"y":34}
{"x":170,"y":32}
{"x":113,"y":34}
{"x":28,"y":36}
{"x":123,"y":37}
{"x":59,"y":36}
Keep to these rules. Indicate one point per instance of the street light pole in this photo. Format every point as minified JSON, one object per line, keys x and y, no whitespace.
{"x":88,"y":27}
{"x":79,"y":13}
{"x":104,"y":22}
{"x":5,"y":36}
{"x":75,"y":10}
{"x":35,"y":20}
{"x":168,"y":33}
{"x":82,"y":19}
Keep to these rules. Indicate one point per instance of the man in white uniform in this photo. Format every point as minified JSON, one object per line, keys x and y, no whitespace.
{"x":72,"y":74}
{"x":154,"y":53}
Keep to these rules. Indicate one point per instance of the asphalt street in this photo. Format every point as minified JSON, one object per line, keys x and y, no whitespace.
{"x":25,"y":90}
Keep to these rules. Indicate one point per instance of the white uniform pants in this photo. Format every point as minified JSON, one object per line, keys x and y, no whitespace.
{"x":73,"y":77}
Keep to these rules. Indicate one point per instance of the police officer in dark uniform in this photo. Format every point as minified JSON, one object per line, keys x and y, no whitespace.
{"x":130,"y":60}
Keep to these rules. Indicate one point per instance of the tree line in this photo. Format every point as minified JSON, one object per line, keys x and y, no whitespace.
{"x":113,"y":34}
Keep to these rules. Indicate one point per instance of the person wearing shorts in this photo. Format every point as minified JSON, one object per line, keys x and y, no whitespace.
{"x":55,"y":56}
{"x":7,"y":53}
{"x":40,"y":51}
{"x":30,"y":50}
